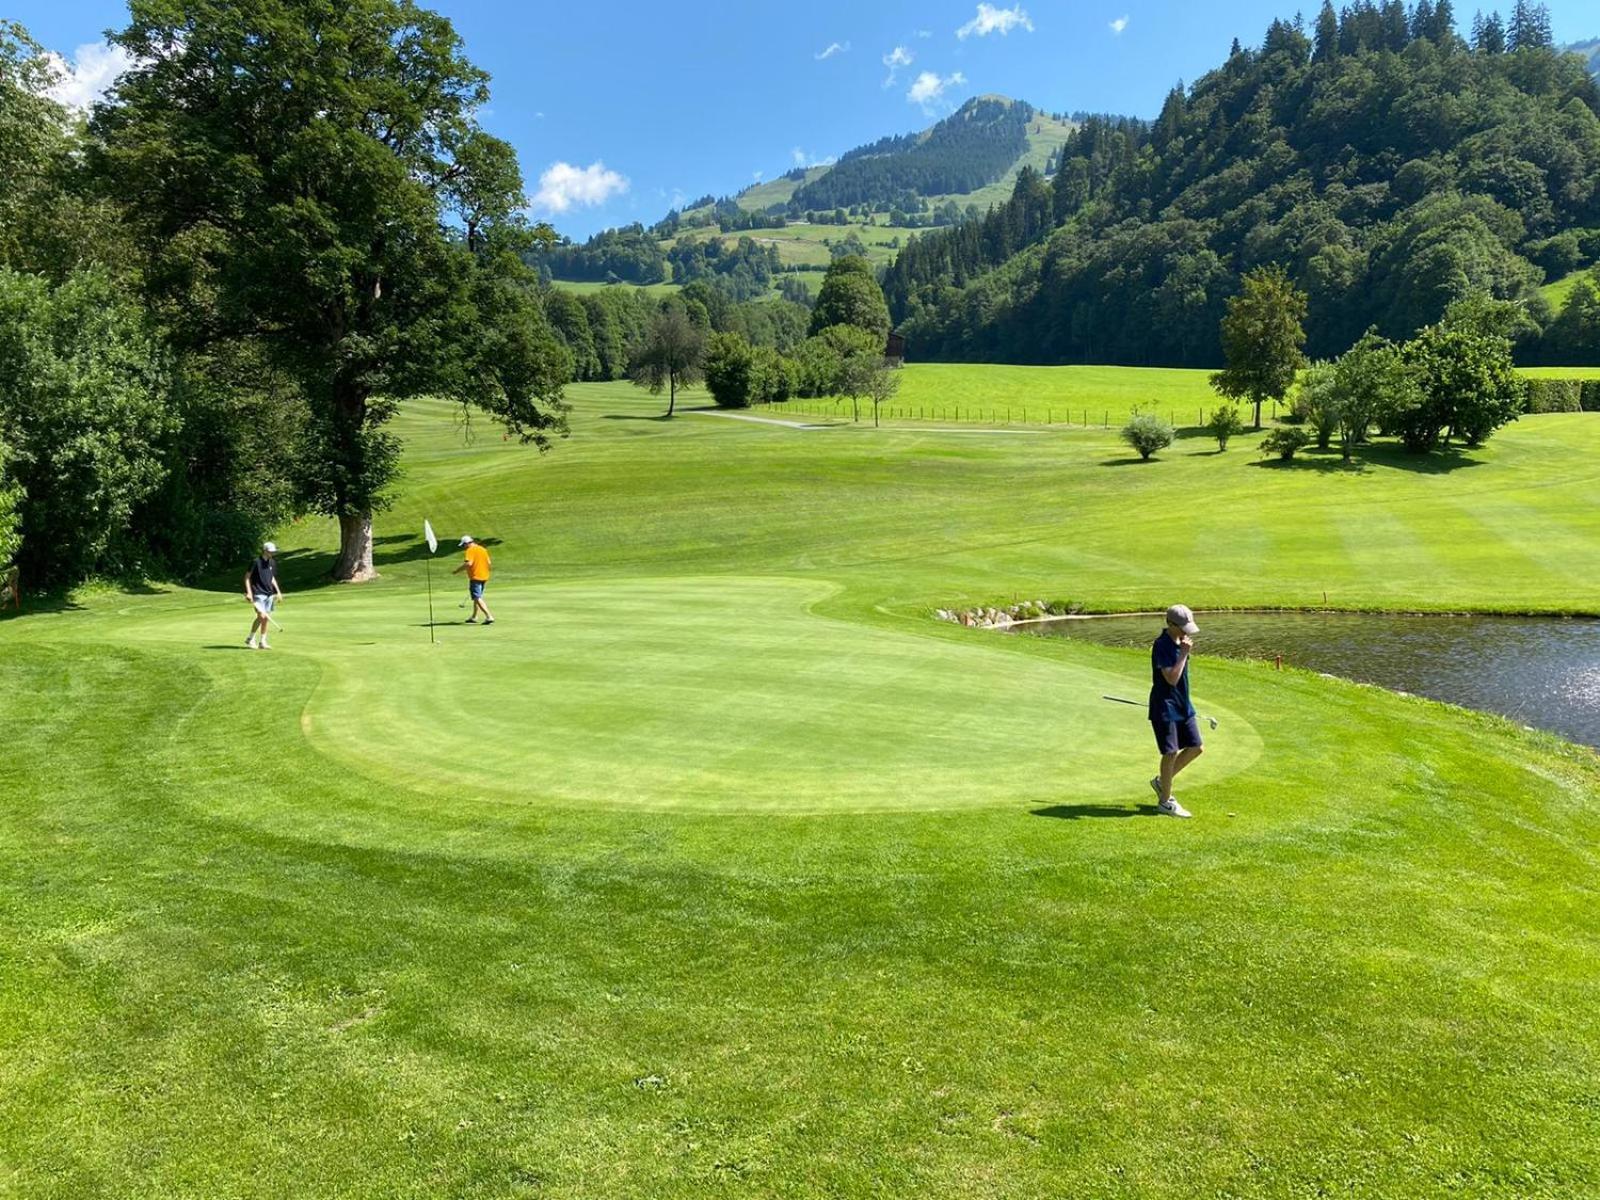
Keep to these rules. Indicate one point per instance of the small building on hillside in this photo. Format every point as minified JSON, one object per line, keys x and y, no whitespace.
{"x":895,"y":352}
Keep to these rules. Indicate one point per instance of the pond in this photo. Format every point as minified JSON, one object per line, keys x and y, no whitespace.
{"x":1538,"y":671}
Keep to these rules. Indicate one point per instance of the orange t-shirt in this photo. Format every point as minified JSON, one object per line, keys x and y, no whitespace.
{"x":477,"y":559}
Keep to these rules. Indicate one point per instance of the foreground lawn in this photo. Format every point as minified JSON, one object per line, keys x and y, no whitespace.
{"x":716,"y":866}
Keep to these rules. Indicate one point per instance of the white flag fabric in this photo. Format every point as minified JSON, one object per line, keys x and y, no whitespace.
{"x":427,"y":532}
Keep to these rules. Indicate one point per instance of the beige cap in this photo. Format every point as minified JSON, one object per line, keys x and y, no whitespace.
{"x":1181,"y":616}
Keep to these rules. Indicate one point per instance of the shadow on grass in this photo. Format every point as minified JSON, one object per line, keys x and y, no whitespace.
{"x":1438,"y":462}
{"x":1134,"y":461}
{"x":39,"y":602}
{"x":633,"y":417}
{"x":1080,"y":812}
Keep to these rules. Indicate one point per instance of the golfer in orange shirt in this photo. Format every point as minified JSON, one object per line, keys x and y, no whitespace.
{"x":475,"y":562}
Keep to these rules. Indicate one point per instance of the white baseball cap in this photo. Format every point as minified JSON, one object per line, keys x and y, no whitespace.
{"x":269,"y":548}
{"x":465,"y":541}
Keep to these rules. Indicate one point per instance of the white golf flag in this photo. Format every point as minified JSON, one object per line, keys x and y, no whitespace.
{"x":427,"y":532}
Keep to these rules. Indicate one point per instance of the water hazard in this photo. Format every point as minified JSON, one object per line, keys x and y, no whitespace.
{"x":1538,"y":671}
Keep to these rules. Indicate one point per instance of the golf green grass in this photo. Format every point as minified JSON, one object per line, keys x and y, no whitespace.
{"x":718,"y":866}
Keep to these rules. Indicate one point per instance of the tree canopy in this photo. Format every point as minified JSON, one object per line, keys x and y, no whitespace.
{"x":313,"y":177}
{"x":850,"y":295}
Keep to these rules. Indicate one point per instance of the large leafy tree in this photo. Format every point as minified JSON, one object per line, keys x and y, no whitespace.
{"x":1371,"y":383}
{"x":671,"y":354}
{"x":1262,"y":337}
{"x":84,"y":404}
{"x":10,"y":518}
{"x":310,"y":174}
{"x":850,"y":295}
{"x":1468,"y":382}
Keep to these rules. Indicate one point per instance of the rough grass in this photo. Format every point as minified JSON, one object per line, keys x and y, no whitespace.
{"x":716,"y":865}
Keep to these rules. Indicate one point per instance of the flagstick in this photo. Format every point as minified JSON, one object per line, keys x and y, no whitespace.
{"x":432,"y":639}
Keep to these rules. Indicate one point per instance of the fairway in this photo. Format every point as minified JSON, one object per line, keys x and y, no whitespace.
{"x":719,"y":865}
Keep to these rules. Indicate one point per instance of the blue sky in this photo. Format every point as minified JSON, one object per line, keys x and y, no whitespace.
{"x":619,"y":110}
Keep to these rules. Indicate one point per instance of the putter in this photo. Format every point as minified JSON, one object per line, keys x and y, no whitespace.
{"x":267,"y":615}
{"x":1211,"y":721}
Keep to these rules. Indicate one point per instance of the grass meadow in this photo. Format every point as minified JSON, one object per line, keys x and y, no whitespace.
{"x":717,"y":866}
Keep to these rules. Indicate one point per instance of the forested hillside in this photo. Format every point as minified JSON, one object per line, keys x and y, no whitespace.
{"x":1390,"y":164}
{"x":966,"y":151}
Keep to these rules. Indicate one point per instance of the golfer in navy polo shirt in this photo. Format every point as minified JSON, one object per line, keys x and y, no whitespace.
{"x":1172,"y":715}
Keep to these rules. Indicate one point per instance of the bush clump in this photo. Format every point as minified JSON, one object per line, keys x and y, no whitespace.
{"x":1147,"y":433}
{"x":1225,"y":422}
{"x":1285,"y":442}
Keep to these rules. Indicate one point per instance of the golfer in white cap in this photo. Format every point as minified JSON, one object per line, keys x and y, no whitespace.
{"x":262,"y":590}
{"x":475,"y":562}
{"x":1172,"y":716}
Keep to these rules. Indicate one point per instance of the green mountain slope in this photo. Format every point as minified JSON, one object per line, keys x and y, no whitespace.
{"x":1302,"y":153}
{"x":896,"y":187}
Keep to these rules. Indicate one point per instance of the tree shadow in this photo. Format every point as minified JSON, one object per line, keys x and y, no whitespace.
{"x":1133,"y":461}
{"x":633,"y":417}
{"x":1079,"y":812}
{"x":1443,"y":461}
{"x":1326,"y":464}
{"x":41,"y":602}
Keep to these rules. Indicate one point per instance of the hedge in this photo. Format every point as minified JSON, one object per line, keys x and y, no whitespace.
{"x":1561,"y":395}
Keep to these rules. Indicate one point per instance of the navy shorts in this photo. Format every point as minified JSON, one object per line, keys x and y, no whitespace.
{"x":475,"y":587}
{"x":1172,"y":736}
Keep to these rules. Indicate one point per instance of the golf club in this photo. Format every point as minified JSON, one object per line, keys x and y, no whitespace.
{"x":1211,"y":721}
{"x":267,"y":615}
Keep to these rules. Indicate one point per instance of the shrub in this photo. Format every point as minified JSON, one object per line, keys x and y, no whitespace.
{"x":729,"y":370}
{"x":1285,"y":442}
{"x":1224,"y":423}
{"x":1147,"y":433}
{"x":1589,"y":396}
{"x":1315,"y":402}
{"x":1555,"y":395}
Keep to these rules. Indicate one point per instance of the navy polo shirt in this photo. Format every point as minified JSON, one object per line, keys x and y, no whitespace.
{"x":1168,"y":701}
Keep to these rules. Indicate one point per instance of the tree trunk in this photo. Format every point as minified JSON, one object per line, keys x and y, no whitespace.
{"x":672,"y":393}
{"x":354,"y":564}
{"x":1258,"y":414}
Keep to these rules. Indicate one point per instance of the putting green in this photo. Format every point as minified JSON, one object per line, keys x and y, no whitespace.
{"x":725,"y":694}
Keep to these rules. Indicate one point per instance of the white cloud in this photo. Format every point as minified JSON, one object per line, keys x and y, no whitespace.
{"x":565,"y":186}
{"x":802,"y":159}
{"x":924,"y":33}
{"x":1119,"y":25}
{"x":894,"y":60}
{"x":833,"y":48}
{"x":930,"y":88}
{"x":995,"y":20}
{"x":86,"y":79}
{"x":538,"y":116}
{"x":759,"y":175}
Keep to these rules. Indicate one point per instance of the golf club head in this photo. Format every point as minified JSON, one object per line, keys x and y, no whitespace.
{"x":1213,"y":721}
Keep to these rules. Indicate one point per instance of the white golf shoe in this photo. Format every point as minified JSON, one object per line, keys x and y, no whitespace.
{"x":1171,"y":808}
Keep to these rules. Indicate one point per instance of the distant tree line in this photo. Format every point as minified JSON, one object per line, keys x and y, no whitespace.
{"x":770,"y":352}
{"x":744,"y":269}
{"x":602,"y":330}
{"x":1390,"y":167}
{"x":626,"y":255}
